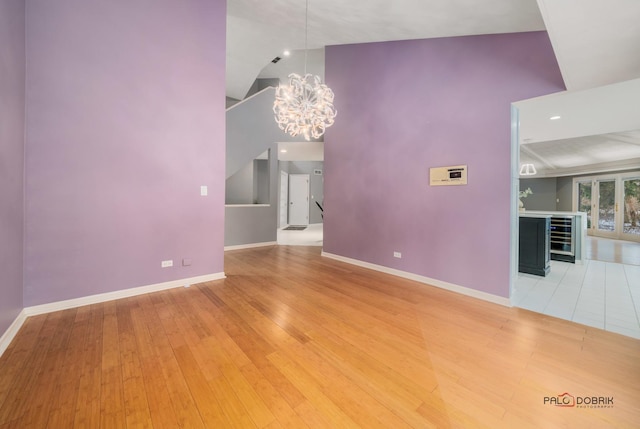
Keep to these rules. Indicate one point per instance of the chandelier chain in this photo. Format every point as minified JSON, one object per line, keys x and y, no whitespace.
{"x":306,"y":34}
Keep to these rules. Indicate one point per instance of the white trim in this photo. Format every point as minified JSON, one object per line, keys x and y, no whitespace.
{"x":250,"y":245}
{"x":426,"y":280}
{"x":249,"y":98}
{"x":514,"y":219}
{"x":126,"y":293}
{"x":11,"y":332}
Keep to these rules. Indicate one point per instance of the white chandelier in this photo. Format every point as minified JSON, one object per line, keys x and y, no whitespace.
{"x":305,"y":105}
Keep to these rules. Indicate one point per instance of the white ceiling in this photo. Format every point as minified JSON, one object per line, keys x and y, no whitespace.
{"x":598,"y":130}
{"x":596,"y":43}
{"x":584,"y":155}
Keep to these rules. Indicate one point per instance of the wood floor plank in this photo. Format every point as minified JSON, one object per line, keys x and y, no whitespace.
{"x":159,"y":402}
{"x":204,"y":397}
{"x":161,"y":331}
{"x":256,"y":408}
{"x":112,"y":409}
{"x":390,"y":389}
{"x":314,"y":394}
{"x":17,"y":362}
{"x":254,"y":322}
{"x":64,"y":399}
{"x":290,"y":339}
{"x":196,"y":335}
{"x":87,"y":407}
{"x":227,"y":328}
{"x":234,"y":411}
{"x":272,"y":398}
{"x":354,"y":399}
{"x":21,"y":382}
{"x":49,"y":377}
{"x":135,"y":396}
{"x":243,"y":346}
{"x":312,"y":417}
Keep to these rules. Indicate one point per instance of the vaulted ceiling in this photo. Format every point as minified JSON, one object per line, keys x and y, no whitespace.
{"x":259,"y":30}
{"x":596,"y":43}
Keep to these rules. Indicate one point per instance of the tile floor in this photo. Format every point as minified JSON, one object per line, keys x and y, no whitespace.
{"x":605,"y":295}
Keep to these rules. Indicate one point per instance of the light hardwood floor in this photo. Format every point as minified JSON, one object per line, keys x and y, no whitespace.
{"x":609,"y":250}
{"x":290,"y":339}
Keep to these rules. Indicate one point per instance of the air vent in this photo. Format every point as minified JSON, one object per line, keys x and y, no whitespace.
{"x":275,"y":60}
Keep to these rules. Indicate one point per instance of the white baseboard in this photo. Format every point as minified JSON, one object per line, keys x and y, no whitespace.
{"x":13,"y":329}
{"x":126,"y":293}
{"x":250,"y":246}
{"x":11,"y":332}
{"x":426,"y":280}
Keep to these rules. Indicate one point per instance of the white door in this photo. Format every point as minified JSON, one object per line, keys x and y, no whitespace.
{"x":298,"y":199}
{"x":606,"y":208}
{"x":630,"y":206}
{"x":612,"y":203}
{"x":284,"y":198}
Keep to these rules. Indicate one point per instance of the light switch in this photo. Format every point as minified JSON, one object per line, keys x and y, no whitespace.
{"x":204,"y":190}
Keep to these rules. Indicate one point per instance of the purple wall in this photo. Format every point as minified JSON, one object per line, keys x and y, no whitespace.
{"x":126,"y":119}
{"x":12,"y":66}
{"x":404,"y":107}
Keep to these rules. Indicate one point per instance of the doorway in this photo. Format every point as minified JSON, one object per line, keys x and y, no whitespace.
{"x":612,"y":203}
{"x":299,"y":199}
{"x":284,"y":199}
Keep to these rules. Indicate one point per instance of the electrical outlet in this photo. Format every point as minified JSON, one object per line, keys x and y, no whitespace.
{"x":166,"y":264}
{"x":186,"y":262}
{"x":204,"y":190}
{"x":397,"y":255}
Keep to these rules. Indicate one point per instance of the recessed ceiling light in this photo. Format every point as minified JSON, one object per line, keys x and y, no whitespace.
{"x":553,"y":118}
{"x":286,"y":53}
{"x":283,"y":151}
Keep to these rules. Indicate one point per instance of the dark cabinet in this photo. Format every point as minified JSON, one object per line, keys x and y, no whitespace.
{"x":534,"y":253}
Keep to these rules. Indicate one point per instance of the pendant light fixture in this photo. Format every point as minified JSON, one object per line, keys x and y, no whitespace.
{"x":305,"y":105}
{"x":528,"y":170}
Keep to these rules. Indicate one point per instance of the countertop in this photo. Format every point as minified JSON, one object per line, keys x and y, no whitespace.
{"x":542,"y":212}
{"x":530,"y":214}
